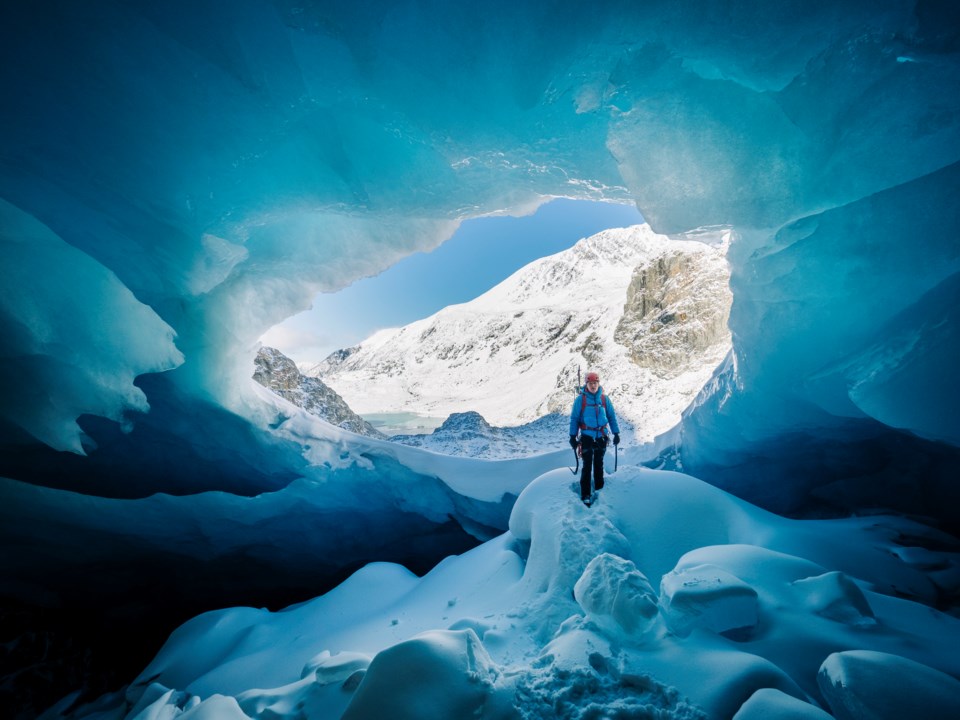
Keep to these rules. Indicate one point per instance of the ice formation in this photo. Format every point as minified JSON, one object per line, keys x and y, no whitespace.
{"x":560,"y":617}
{"x":246,"y":160}
{"x":177,"y":178}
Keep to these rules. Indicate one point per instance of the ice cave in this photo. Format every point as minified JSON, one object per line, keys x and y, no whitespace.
{"x":177,"y":178}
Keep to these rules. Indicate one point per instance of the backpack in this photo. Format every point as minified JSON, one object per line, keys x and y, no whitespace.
{"x":583,"y":406}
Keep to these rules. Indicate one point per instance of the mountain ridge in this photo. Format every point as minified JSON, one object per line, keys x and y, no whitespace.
{"x":647,"y":311}
{"x":278,"y":373}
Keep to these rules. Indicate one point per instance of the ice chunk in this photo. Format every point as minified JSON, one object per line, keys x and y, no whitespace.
{"x":708,"y":597}
{"x":615,"y":594}
{"x":870,"y":685}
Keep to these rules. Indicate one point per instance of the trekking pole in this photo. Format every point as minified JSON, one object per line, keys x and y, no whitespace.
{"x":616,"y":456}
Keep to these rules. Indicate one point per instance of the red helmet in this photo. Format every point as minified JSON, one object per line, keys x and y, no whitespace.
{"x":593,"y":377}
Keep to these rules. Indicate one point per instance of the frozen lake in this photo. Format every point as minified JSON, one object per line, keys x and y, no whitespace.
{"x":405,"y":423}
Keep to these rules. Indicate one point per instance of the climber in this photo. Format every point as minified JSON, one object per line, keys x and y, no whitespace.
{"x":592,"y":412}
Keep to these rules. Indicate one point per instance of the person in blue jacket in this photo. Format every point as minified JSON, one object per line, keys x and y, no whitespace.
{"x":592,"y":412}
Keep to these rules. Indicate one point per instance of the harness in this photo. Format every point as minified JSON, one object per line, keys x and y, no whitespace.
{"x":583,"y":407}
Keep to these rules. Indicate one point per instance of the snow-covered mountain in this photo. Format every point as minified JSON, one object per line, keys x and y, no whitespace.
{"x":276,"y":371}
{"x":647,"y":311}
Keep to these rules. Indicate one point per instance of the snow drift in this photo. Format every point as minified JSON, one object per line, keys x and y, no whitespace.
{"x":667,"y":599}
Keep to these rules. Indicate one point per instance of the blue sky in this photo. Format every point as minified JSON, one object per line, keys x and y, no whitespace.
{"x":482,"y":253}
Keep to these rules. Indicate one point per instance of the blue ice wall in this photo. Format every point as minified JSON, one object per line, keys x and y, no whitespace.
{"x":217,"y":164}
{"x":845,"y":339}
{"x":177,"y":177}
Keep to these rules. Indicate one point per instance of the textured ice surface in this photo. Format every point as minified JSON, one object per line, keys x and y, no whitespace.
{"x":202,"y":170}
{"x":74,"y":337}
{"x":246,"y":159}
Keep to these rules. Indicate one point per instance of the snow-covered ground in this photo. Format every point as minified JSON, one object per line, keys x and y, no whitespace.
{"x":645,"y":310}
{"x":668,"y":598}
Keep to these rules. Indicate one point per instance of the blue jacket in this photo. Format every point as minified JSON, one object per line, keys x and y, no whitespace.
{"x":594,"y":415}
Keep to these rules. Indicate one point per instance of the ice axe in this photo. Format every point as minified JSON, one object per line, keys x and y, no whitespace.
{"x":576,"y":454}
{"x":616,"y":457}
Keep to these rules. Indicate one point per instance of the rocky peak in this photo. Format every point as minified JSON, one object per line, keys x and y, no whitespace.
{"x":675,"y":308}
{"x":278,"y":373}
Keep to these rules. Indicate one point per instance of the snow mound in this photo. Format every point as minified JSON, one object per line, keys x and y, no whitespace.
{"x":558,"y":618}
{"x":835,"y":596}
{"x":707,"y":597}
{"x":443,"y":673}
{"x":768,"y":703}
{"x":868,"y":685}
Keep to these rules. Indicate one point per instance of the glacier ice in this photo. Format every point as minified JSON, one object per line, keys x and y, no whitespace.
{"x":177,"y":178}
{"x":63,"y":358}
{"x":826,"y":313}
{"x":245,"y":161}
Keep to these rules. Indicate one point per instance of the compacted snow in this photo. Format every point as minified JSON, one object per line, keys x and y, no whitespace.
{"x":667,"y":599}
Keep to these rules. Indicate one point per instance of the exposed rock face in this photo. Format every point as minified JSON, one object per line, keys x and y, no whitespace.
{"x":675,"y":311}
{"x":276,"y":371}
{"x":647,"y":311}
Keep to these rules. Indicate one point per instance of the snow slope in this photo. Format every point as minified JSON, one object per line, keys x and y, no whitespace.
{"x":512,"y":354}
{"x":669,"y":598}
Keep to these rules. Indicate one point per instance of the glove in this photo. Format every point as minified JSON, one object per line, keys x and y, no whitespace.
{"x":616,"y":438}
{"x":573,"y":441}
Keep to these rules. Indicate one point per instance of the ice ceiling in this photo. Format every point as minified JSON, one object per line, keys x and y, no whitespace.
{"x":178,"y":177}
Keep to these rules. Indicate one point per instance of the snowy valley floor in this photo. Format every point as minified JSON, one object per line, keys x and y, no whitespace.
{"x":668,"y":599}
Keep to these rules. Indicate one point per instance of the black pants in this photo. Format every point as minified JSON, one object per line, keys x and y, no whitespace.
{"x":591,"y":451}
